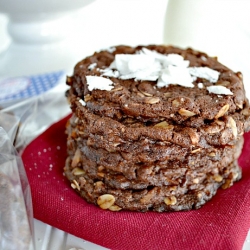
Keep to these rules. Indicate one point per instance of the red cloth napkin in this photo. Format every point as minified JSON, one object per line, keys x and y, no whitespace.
{"x":222,"y":223}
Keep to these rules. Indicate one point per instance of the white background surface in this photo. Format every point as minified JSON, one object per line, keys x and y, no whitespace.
{"x":111,"y":22}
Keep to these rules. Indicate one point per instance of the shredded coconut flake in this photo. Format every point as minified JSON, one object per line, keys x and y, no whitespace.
{"x":205,"y":72}
{"x":138,"y":66}
{"x":99,"y":82}
{"x":109,"y":72}
{"x":82,"y":102}
{"x":200,"y":85}
{"x":111,"y":49}
{"x":219,"y":90}
{"x":203,"y":58}
{"x":92,"y":66}
{"x":166,"y":60}
{"x":152,"y":66}
{"x":175,"y":75}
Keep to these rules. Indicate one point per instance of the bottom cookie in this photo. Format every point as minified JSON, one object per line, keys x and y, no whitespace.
{"x":153,"y":198}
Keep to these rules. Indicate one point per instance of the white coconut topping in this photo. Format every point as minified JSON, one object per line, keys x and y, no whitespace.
{"x":176,"y":60}
{"x":175,"y":75}
{"x":153,"y":66}
{"x":99,"y":82}
{"x":166,"y":60}
{"x":82,"y":102}
{"x":203,"y":58}
{"x":205,"y":72}
{"x":167,"y":69}
{"x":111,"y":49}
{"x":92,"y":66}
{"x":138,"y":66}
{"x":200,"y":85}
{"x":109,"y":72}
{"x":219,"y":90}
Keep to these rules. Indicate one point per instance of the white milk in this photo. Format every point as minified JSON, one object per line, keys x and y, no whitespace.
{"x":218,"y":27}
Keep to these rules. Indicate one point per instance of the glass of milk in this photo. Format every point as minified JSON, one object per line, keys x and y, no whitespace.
{"x":218,"y":27}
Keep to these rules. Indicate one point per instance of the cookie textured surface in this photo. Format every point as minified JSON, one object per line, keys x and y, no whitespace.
{"x":154,"y":128}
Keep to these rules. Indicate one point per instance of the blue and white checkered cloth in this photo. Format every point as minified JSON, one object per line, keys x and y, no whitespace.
{"x":18,"y":88}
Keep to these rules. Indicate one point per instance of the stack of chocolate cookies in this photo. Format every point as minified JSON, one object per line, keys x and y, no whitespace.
{"x":154,"y":128}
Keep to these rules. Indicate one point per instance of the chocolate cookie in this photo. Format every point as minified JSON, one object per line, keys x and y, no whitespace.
{"x":154,"y":128}
{"x":172,"y":197}
{"x":146,"y":101}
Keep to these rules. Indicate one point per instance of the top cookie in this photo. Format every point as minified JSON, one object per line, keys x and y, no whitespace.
{"x":155,"y":83}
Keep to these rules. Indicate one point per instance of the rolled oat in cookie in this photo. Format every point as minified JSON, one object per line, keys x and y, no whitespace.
{"x":154,"y":128}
